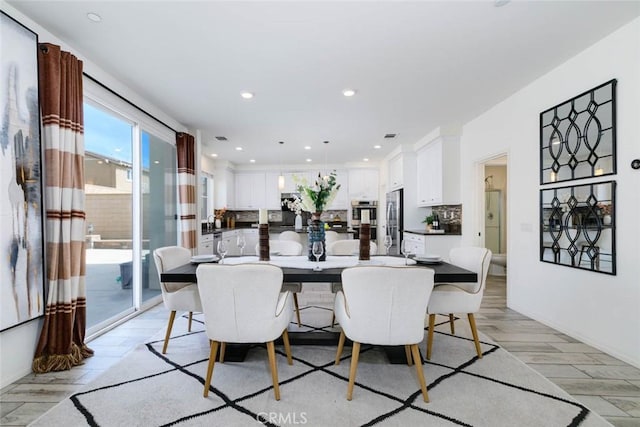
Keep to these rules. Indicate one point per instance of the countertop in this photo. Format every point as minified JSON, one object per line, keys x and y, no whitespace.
{"x":274,"y":229}
{"x":424,"y":232}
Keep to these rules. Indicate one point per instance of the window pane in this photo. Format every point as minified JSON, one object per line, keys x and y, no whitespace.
{"x":108,"y":189}
{"x":159,"y":224}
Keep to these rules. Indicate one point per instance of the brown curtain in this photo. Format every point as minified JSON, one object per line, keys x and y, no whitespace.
{"x":185,"y":145}
{"x":61,"y":345}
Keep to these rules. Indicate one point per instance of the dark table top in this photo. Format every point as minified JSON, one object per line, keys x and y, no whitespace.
{"x":444,"y":272}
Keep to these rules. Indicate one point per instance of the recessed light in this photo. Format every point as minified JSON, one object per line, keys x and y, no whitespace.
{"x":246,"y":95}
{"x":238,"y":148}
{"x":214,"y":155}
{"x":308,"y":160}
{"x":365,"y":160}
{"x":252,"y":160}
{"x":94,"y":17}
{"x":307,"y":147}
{"x":157,"y":162}
{"x":349,"y":92}
{"x":377,"y":147}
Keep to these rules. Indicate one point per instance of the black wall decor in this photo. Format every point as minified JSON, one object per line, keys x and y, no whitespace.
{"x":577,"y":226}
{"x":578,"y":136}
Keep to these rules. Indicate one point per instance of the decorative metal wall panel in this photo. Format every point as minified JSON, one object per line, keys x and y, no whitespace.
{"x":578,"y":136}
{"x":577,"y":226}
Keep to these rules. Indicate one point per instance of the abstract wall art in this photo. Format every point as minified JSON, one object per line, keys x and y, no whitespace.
{"x":21,"y":202}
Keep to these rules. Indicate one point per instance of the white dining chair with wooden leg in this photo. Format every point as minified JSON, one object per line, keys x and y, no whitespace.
{"x":176,"y":296}
{"x":450,"y":298}
{"x":383,"y":306}
{"x":243,"y":304}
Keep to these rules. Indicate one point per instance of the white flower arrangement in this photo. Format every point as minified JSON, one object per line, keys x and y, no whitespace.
{"x":314,"y":198}
{"x":294,"y":205}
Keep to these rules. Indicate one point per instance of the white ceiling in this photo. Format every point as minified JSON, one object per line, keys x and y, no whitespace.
{"x":415,"y":65}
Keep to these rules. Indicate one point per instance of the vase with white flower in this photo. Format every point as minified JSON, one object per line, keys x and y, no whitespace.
{"x":314,"y":198}
{"x":295,"y":206}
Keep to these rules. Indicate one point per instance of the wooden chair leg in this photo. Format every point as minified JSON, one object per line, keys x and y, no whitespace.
{"x":172,"y":317}
{"x":354,"y":368}
{"x":407,"y":352}
{"x":295,"y":303}
{"x":223,"y":347}
{"x":212,"y":361}
{"x":474,"y":332}
{"x":190,"y":319}
{"x":451,"y":324}
{"x":432,"y":325}
{"x":423,"y":384}
{"x":340,"y":347}
{"x":271,"y":349}
{"x":287,"y":346}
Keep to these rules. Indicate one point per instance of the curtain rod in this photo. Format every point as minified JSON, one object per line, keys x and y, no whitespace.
{"x":128,"y":102}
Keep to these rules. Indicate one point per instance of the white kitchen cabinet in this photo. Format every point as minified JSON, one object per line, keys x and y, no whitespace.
{"x":206,"y":244}
{"x":438,"y":173}
{"x":434,"y":244}
{"x":272,"y":192}
{"x":250,"y":190}
{"x":342,"y":197}
{"x":224,"y":194}
{"x":363,"y":184}
{"x":395,"y":172}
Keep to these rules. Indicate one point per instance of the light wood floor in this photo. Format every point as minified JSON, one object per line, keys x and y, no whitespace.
{"x":604,"y":384}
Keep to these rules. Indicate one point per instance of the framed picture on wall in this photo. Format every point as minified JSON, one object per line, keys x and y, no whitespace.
{"x":21,"y":203}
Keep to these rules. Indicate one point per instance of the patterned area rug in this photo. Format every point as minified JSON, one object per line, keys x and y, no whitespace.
{"x":150,"y":389}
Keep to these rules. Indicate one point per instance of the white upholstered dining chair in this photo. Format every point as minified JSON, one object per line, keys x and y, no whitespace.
{"x":450,"y":298}
{"x":349,"y":247}
{"x":383,"y":306}
{"x":290,"y":235}
{"x":176,"y":296}
{"x":287,"y":248}
{"x":243,"y":304}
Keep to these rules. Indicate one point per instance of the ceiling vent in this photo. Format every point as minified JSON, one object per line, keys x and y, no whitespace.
{"x":221,"y":138}
{"x":390,"y":135}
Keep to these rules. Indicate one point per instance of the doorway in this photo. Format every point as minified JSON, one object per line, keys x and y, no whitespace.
{"x":495,"y":213}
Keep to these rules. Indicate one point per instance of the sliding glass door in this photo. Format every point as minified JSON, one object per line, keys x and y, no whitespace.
{"x":130,"y":187}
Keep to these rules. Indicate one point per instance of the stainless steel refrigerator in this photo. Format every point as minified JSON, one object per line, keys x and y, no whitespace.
{"x":395,"y":224}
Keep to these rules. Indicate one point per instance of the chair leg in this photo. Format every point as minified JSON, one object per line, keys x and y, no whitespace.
{"x":212,"y":361}
{"x":340,"y":347}
{"x":287,"y":346}
{"x":451,"y":324}
{"x":172,"y":317}
{"x":474,"y":332}
{"x":223,"y":347}
{"x":354,"y":368}
{"x":271,"y":349}
{"x":407,"y":352}
{"x":295,"y":303}
{"x":423,"y":384}
{"x":333,"y":320}
{"x":190,"y":319}
{"x":432,"y":325}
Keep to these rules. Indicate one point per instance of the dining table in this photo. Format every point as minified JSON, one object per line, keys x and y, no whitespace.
{"x":299,"y":269}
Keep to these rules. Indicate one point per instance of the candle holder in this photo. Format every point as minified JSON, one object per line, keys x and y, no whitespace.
{"x":365,"y":242}
{"x":263,"y":241}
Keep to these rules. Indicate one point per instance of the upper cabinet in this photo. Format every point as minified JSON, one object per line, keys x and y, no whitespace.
{"x":224,"y":192}
{"x":395,"y":172}
{"x":250,"y":190}
{"x":342,"y":198}
{"x":438,"y":172}
{"x":272,"y":192}
{"x":363,"y":184}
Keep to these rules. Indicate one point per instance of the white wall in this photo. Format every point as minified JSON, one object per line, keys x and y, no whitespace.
{"x":599,"y":309}
{"x":17,"y":345}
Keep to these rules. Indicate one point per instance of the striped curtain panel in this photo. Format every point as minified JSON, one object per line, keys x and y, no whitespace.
{"x":185,"y":145}
{"x":61,"y":345}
